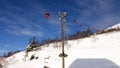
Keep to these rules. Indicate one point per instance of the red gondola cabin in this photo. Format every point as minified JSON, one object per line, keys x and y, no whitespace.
{"x":47,"y":14}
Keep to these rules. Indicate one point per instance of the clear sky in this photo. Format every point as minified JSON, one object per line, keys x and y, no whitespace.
{"x":22,"y":19}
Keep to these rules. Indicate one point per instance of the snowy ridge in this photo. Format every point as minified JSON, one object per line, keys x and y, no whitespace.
{"x":114,"y":26}
{"x":102,"y":50}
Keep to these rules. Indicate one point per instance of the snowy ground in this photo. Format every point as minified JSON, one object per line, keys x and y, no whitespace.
{"x":98,"y":51}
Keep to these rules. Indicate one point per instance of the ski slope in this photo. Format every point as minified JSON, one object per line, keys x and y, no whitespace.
{"x":97,"y":51}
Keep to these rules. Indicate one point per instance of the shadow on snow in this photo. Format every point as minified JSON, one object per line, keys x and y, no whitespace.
{"x":93,"y":63}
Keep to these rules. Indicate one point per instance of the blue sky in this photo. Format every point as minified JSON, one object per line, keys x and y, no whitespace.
{"x":22,"y":19}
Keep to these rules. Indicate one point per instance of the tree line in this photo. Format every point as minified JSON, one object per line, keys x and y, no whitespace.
{"x":77,"y":35}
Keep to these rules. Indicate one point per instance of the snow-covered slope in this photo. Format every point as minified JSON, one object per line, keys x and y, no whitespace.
{"x":97,"y":51}
{"x":115,"y":26}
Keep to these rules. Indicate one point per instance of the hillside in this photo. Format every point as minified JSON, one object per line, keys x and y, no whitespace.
{"x":115,"y":26}
{"x":96,"y":51}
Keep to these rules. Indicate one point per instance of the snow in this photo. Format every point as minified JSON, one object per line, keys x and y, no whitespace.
{"x":97,"y":51}
{"x":114,"y":26}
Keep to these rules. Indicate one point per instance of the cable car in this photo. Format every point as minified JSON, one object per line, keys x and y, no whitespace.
{"x":80,"y":26}
{"x":75,"y":21}
{"x":47,"y":14}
